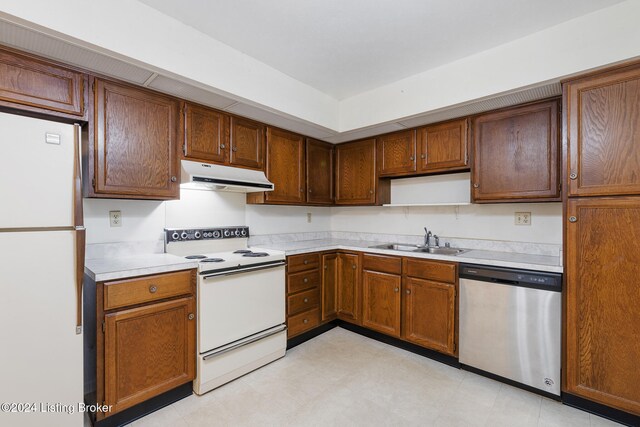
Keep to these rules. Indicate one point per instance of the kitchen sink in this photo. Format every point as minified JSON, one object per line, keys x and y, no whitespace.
{"x":416,"y":248}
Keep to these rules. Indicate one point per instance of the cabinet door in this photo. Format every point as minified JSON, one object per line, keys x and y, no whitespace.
{"x":329,"y":286}
{"x":602,"y":300}
{"x":603,"y":133}
{"x":443,"y":147}
{"x":348,"y":287}
{"x":429,"y":314}
{"x":135,"y":140}
{"x":247,"y":143}
{"x":285,"y":166}
{"x":397,"y":153}
{"x":148,"y":350}
{"x":206,"y":134}
{"x":516,"y":154}
{"x":38,"y":84}
{"x":356,"y":173}
{"x":381,"y":302}
{"x":319,"y":172}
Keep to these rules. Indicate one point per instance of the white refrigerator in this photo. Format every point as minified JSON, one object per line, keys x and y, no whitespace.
{"x":41,"y":267}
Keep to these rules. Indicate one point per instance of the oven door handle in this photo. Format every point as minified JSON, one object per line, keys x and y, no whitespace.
{"x":246,"y":341}
{"x":245,"y":270}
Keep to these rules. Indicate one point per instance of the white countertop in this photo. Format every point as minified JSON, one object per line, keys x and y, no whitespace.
{"x":103,"y":269}
{"x":484,"y":257}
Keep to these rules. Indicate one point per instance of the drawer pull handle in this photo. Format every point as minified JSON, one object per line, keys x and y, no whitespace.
{"x":305,"y":321}
{"x":191,"y":316}
{"x":305,"y":262}
{"x":306,"y":300}
{"x":153,"y":289}
{"x":305,"y":280}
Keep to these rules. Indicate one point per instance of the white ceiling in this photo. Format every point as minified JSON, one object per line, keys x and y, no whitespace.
{"x":346,"y":47}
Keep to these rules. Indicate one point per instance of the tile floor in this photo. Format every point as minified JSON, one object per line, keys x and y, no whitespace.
{"x":344,"y":379}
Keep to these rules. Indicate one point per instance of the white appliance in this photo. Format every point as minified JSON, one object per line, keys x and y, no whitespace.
{"x":207,"y":176}
{"x":241,"y":302}
{"x":41,"y":268}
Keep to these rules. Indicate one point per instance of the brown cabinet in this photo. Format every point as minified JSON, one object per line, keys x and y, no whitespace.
{"x":34,"y":84}
{"x":443,"y":147}
{"x":602,"y":299}
{"x":429,"y":306}
{"x":356,"y":178}
{"x":247,"y":143}
{"x":146,"y":338}
{"x":603,"y":133}
{"x":134,"y":143}
{"x":349,"y":287}
{"x":397,"y":153}
{"x":516,"y":154}
{"x":319,"y":157}
{"x":381,"y":296}
{"x":329,"y":281}
{"x":206,"y":134}
{"x":303,"y":293}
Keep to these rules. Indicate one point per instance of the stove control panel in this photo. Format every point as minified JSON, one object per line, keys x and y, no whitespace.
{"x":192,"y":234}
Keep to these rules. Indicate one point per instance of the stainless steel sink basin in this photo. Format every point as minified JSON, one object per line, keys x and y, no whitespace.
{"x":416,"y":248}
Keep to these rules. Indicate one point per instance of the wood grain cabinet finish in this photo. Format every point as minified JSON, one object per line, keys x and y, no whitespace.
{"x":285,"y":167}
{"x":381,"y":300}
{"x":148,"y":350}
{"x":443,"y":147}
{"x":38,"y":85}
{"x":303,"y":293}
{"x":329,"y":298}
{"x":356,"y":179}
{"x":603,"y":133}
{"x":349,"y":287}
{"x":247,"y":143}
{"x":397,"y":153}
{"x":516,"y":154}
{"x":135,"y":140}
{"x":206,"y":134}
{"x":320,"y":172}
{"x":602,"y":299}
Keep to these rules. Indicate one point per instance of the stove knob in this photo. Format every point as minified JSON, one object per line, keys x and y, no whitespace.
{"x":184,"y":235}
{"x":227,"y":233}
{"x":175,"y":235}
{"x":238,"y":233}
{"x":207,"y":234}
{"x":216,"y":234}
{"x":197,"y":234}
{"x":244,"y":232}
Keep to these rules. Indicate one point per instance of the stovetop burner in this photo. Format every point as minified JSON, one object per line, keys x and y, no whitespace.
{"x":242,"y":251}
{"x":255,"y":254}
{"x":195,"y":256}
{"x":212,"y":260}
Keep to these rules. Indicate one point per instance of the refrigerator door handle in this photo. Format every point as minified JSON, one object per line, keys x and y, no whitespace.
{"x":78,"y":222}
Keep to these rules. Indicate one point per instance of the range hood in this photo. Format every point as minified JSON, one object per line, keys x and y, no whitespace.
{"x":206,"y":176}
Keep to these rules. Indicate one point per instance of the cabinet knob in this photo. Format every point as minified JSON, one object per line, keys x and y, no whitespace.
{"x":309,"y":190}
{"x":353,"y":266}
{"x":153,"y":289}
{"x":174,"y":179}
{"x":326,"y":266}
{"x":408,"y":291}
{"x":305,"y":262}
{"x":396,"y":289}
{"x":305,"y":280}
{"x":305,"y":321}
{"x":476,"y":185}
{"x":222,"y":146}
{"x":370,"y":191}
{"x":191,"y":316}
{"x":411,"y":158}
{"x":234,"y":149}
{"x":306,"y":300}
{"x":423,"y":156}
{"x":302,"y":190}
{"x":573,"y":175}
{"x":573,"y":219}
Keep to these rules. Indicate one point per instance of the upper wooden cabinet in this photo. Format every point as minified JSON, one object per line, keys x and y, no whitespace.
{"x":247,"y":143}
{"x":38,"y":85}
{"x":356,"y":179}
{"x":319,"y":172}
{"x":603,"y":133}
{"x":206,"y":134}
{"x":397,"y":153}
{"x":285,"y":167}
{"x":516,"y":154}
{"x":602,"y":300}
{"x":135,"y":139}
{"x":443,"y":147}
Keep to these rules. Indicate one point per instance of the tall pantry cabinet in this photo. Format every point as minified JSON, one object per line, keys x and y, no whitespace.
{"x":602,"y":238}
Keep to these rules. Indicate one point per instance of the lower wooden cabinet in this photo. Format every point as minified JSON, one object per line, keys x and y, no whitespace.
{"x":329,"y":287}
{"x":381,"y":302}
{"x":349,"y":287}
{"x":602,"y":300}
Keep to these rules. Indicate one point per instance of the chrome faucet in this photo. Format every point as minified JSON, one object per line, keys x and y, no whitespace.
{"x":427,"y":239}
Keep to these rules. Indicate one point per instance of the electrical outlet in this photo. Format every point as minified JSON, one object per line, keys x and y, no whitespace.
{"x":308,"y":216}
{"x":523,"y":218}
{"x":115,"y":218}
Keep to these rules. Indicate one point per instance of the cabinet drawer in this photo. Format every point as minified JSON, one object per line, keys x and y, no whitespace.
{"x":432,"y":270}
{"x":144,"y":289}
{"x":302,"y":301}
{"x":384,"y":264}
{"x":300,"y":281}
{"x":303,"y":322}
{"x":303,"y":262}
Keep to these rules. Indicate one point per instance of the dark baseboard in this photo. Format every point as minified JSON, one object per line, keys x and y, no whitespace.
{"x":299,"y":339}
{"x":510,"y":382}
{"x":145,"y":408}
{"x":601,"y":410}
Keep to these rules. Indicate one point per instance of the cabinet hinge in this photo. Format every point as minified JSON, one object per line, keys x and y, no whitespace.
{"x":103,"y":327}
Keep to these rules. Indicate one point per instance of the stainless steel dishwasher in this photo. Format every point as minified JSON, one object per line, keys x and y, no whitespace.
{"x":510,"y":325}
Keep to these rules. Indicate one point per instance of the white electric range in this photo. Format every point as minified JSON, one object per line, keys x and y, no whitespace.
{"x":241,"y":302}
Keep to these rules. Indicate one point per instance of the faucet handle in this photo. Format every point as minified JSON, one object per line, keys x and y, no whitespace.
{"x":437,"y":240}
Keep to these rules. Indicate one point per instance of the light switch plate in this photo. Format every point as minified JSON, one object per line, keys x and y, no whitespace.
{"x":523,"y":218}
{"x":115,"y":218}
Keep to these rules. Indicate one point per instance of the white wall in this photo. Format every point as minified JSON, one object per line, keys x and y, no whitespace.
{"x":287,"y":219}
